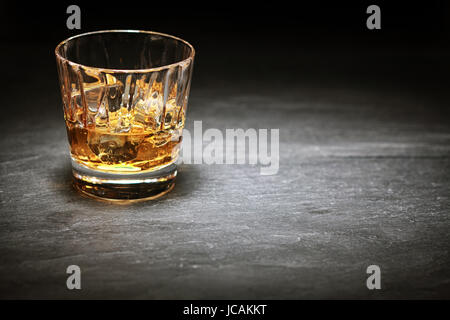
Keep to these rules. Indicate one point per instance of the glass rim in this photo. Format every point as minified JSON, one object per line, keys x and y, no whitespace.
{"x":167,"y":66}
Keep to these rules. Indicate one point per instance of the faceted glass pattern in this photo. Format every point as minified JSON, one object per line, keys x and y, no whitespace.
{"x":125,"y":96}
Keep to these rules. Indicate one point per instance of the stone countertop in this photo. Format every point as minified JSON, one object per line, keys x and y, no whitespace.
{"x":363,"y":179}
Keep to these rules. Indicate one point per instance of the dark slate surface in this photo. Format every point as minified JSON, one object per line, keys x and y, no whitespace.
{"x":364,"y":179}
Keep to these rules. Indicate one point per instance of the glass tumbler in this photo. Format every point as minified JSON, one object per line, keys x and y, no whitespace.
{"x":125,"y":95}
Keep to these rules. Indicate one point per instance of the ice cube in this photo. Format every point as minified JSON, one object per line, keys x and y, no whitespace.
{"x":113,"y":148}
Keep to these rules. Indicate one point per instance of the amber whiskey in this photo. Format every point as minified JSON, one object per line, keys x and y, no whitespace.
{"x":117,"y":137}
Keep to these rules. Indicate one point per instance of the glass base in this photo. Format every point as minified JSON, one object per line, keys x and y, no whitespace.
{"x":124,"y":187}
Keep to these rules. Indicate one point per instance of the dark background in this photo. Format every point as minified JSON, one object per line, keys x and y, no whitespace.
{"x":324,"y":41}
{"x":364,"y":157}
{"x":251,"y":38}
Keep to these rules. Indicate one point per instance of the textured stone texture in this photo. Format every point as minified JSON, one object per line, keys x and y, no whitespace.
{"x":364,"y":179}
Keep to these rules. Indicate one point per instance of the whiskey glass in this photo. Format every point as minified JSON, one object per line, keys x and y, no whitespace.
{"x":125,"y":95}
